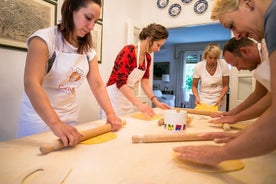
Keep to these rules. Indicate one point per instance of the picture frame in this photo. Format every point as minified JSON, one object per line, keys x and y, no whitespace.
{"x":97,"y":39}
{"x":20,"y":19}
{"x":102,"y":8}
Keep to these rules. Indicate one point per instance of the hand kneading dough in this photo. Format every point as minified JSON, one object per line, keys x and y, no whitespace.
{"x":143,"y":116}
{"x":100,"y":138}
{"x":226,"y":166}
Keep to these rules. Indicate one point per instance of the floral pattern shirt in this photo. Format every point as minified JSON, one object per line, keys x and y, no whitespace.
{"x":124,"y":64}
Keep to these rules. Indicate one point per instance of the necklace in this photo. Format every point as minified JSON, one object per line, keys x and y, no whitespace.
{"x":211,"y":67}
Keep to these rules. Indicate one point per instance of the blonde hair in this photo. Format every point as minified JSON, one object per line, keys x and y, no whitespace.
{"x":223,"y":6}
{"x":211,"y":48}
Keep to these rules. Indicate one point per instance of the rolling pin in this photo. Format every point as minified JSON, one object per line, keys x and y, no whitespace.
{"x":151,"y":138}
{"x":200,"y":112}
{"x":57,"y":144}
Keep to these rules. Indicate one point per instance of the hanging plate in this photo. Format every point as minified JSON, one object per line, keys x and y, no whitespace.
{"x":174,"y":9}
{"x":162,"y":3}
{"x":186,"y":1}
{"x":200,"y":6}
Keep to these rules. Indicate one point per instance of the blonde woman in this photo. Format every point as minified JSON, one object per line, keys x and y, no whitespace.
{"x":213,"y":75}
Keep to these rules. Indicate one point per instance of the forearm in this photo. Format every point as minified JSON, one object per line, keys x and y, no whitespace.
{"x":195,"y":92}
{"x":147,"y":90}
{"x":255,"y":110}
{"x":256,"y":140}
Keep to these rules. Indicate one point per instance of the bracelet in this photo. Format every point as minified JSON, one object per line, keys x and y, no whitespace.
{"x":151,"y":98}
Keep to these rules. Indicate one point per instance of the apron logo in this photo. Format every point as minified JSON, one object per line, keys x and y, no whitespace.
{"x":73,"y":81}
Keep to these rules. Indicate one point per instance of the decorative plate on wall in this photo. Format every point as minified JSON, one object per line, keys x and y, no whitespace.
{"x":174,"y":9}
{"x":162,"y":3}
{"x":200,"y":6}
{"x":186,"y":1}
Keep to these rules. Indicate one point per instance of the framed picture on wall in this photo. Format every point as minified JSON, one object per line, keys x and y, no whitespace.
{"x":101,"y":15}
{"x":97,"y":39}
{"x":19,"y":19}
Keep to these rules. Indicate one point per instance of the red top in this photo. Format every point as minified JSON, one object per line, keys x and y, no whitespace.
{"x":124,"y":64}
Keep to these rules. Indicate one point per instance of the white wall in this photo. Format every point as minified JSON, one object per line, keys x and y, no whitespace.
{"x":11,"y":74}
{"x":118,"y":14}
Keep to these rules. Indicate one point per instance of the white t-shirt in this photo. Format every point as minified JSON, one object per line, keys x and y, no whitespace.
{"x":262,"y":72}
{"x":210,"y":86}
{"x":55,"y":40}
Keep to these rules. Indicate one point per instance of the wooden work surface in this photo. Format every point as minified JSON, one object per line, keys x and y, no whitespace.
{"x":120,"y":161}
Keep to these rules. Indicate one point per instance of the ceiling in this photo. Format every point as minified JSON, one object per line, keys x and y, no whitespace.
{"x":201,"y":33}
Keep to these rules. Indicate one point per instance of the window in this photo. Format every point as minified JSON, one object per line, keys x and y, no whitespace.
{"x":190,"y":60}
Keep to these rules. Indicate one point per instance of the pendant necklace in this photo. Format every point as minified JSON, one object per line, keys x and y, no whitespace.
{"x":212,"y":67}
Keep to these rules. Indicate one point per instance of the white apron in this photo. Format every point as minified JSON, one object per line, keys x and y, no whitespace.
{"x":210,"y":86}
{"x":67,"y":73}
{"x":119,"y":102}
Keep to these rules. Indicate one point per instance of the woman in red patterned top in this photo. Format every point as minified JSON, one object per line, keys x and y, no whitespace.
{"x":133,"y":65}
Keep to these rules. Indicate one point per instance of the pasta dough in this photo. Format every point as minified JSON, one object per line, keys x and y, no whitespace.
{"x":226,"y":166}
{"x":100,"y":138}
{"x":206,"y":107}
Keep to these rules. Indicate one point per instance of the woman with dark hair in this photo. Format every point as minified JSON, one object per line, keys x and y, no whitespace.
{"x":133,"y":65}
{"x":59,"y":58}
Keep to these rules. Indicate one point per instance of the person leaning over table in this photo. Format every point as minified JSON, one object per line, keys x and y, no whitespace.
{"x":59,"y":58}
{"x":254,"y":19}
{"x":246,"y":54}
{"x":132,"y":65}
{"x":213,"y":75}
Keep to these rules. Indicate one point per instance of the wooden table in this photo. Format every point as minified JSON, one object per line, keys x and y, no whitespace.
{"x":120,"y":161}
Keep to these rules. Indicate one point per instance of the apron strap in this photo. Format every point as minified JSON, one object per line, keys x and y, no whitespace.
{"x":138,"y":57}
{"x":51,"y":62}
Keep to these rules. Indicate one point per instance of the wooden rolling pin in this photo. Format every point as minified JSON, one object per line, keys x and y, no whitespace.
{"x":57,"y":144}
{"x":200,"y":112}
{"x":151,"y":138}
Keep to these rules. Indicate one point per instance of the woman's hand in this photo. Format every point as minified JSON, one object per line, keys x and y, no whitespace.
{"x":68,"y":134}
{"x":199,"y":154}
{"x":116,"y":122}
{"x":224,"y":119}
{"x":206,"y":154}
{"x":221,"y":137}
{"x":218,"y":103}
{"x":144,"y":108}
{"x":218,"y":114}
{"x":160,"y":104}
{"x":197,"y":101}
{"x":163,"y":106}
